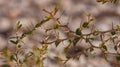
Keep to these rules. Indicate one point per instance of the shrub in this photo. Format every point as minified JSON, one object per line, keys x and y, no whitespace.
{"x":37,"y":54}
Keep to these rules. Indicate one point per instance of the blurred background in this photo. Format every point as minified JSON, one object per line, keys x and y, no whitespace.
{"x":30,"y":12}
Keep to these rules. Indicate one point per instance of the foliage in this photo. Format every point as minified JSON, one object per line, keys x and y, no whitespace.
{"x":105,"y":1}
{"x":37,"y":54}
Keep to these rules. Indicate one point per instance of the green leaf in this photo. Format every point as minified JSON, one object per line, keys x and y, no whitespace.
{"x":112,"y":1}
{"x":14,"y":42}
{"x":104,"y":47}
{"x":69,"y":41}
{"x":12,"y":57}
{"x":56,"y":10}
{"x":37,"y":25}
{"x":118,"y":28}
{"x":101,"y":37}
{"x":45,"y":47}
{"x":115,"y":47}
{"x":113,"y":32}
{"x":96,"y":33}
{"x":5,"y":52}
{"x":5,"y":65}
{"x":115,"y":1}
{"x":40,"y":23}
{"x":28,"y":32}
{"x":113,"y":39}
{"x":18,"y":23}
{"x":37,"y":61}
{"x":105,"y":57}
{"x":78,"y":31}
{"x":19,"y":46}
{"x":20,"y":61}
{"x":103,"y":1}
{"x":91,"y":39}
{"x":87,"y":40}
{"x":76,"y":39}
{"x":92,"y":51}
{"x":29,"y":54}
{"x":56,"y":26}
{"x":65,"y":49}
{"x":118,"y":58}
{"x":43,"y":21}
{"x":41,"y":63}
{"x":85,"y":25}
{"x":19,"y":26}
{"x":48,"y":17}
{"x":58,"y":59}
{"x":57,"y":43}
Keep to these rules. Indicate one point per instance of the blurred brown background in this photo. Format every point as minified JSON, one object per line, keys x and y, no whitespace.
{"x":30,"y":11}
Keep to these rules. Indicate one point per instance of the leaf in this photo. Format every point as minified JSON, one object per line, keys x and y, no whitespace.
{"x":92,"y":51}
{"x":14,"y":42}
{"x":85,"y":25}
{"x":58,"y":59}
{"x":78,"y":31}
{"x":66,"y":49}
{"x":115,"y":47}
{"x":101,"y":37}
{"x":96,"y":33}
{"x":113,"y":32}
{"x":87,"y":40}
{"x":105,"y":57}
{"x":37,"y":61}
{"x":29,"y":54}
{"x":5,"y":52}
{"x":112,"y":1}
{"x":28,"y":32}
{"x":56,"y":10}
{"x":91,"y":39}
{"x":43,"y":21}
{"x":40,"y":23}
{"x":57,"y":43}
{"x":99,"y":0}
{"x":20,"y":61}
{"x":19,"y":25}
{"x":104,"y":47}
{"x":76,"y":39}
{"x":48,"y":17}
{"x":113,"y":39}
{"x":56,"y":26}
{"x":12,"y":57}
{"x":118,"y":58}
{"x":37,"y":25}
{"x":5,"y":65}
{"x":45,"y":47}
{"x":115,"y":1}
{"x":118,"y":28}
{"x":19,"y":46}
{"x":69,"y":41}
{"x":41,"y":63}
